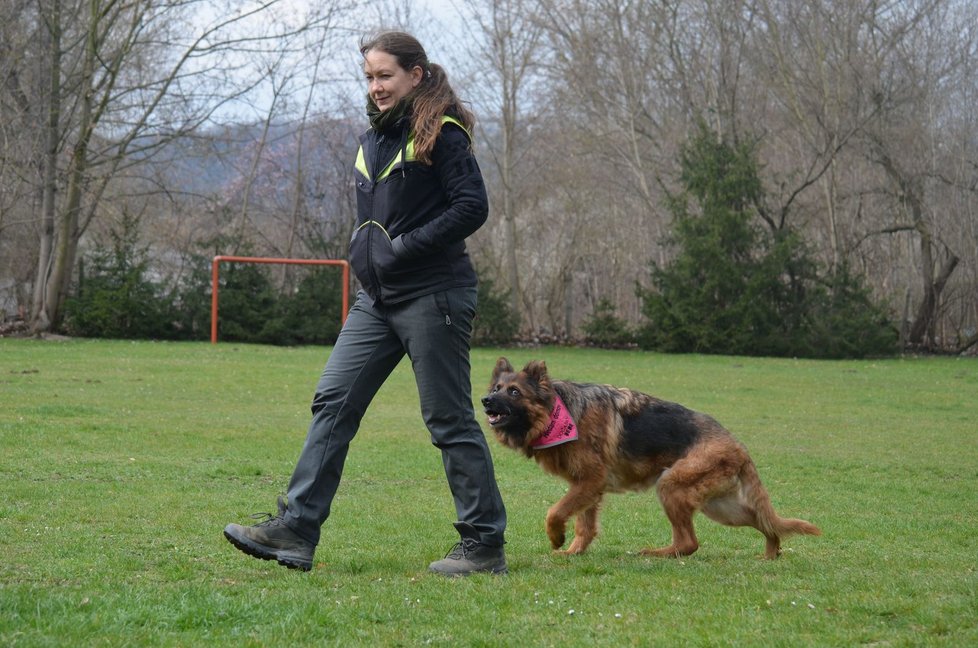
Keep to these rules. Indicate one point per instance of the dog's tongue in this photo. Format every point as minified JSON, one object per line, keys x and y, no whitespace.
{"x":493,"y":418}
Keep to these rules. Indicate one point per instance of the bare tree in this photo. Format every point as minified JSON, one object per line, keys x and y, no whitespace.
{"x":509,"y":49}
{"x":617,"y":115}
{"x":122,"y":80}
{"x":915,"y":55}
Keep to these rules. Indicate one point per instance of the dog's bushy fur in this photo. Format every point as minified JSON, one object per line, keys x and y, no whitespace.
{"x":631,"y":441}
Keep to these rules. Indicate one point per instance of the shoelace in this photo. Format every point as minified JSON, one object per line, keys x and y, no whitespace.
{"x":461,"y":547}
{"x":266,"y":519}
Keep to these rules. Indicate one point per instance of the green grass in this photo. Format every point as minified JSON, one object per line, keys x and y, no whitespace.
{"x":121,"y":462}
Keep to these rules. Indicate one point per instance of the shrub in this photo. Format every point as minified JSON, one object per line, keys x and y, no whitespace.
{"x":495,"y":322}
{"x":846,"y":323}
{"x":115,"y":298}
{"x":312,"y":314}
{"x":249,"y":305}
{"x":192,"y":300}
{"x":604,"y":328}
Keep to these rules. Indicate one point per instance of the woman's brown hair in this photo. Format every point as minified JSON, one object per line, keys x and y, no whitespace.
{"x":433,"y":97}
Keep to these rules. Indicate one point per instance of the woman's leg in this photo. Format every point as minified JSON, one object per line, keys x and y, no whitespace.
{"x":436,"y":331}
{"x":365,"y":354}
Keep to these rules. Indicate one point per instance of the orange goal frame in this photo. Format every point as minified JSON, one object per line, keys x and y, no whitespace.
{"x":215,"y":264}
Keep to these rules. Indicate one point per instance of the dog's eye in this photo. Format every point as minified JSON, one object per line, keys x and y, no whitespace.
{"x":513,"y":391}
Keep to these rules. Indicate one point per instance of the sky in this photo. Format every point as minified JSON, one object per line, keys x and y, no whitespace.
{"x":444,"y":21}
{"x":437,"y":23}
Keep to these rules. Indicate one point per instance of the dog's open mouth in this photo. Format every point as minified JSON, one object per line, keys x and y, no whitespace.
{"x":495,"y":417}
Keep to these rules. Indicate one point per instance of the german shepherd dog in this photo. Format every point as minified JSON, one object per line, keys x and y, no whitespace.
{"x":605,"y":439}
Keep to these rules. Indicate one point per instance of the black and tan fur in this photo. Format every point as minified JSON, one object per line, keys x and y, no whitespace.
{"x":630,"y":441}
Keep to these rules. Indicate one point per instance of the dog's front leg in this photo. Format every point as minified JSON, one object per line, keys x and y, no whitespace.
{"x":582,"y":500}
{"x":556,"y":526}
{"x":585,"y":530}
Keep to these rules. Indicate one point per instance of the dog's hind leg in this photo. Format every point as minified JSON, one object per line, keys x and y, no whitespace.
{"x":683,"y":490}
{"x":757,"y":503}
{"x":731,"y":509}
{"x":679,"y":509}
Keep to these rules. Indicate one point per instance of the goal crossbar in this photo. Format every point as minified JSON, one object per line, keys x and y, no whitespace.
{"x":218,"y":260}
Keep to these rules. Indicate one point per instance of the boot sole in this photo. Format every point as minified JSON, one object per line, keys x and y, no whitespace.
{"x":263,"y":553}
{"x":494,"y":571}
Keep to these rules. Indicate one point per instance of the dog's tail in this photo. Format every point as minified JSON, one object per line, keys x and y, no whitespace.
{"x":773,"y":526}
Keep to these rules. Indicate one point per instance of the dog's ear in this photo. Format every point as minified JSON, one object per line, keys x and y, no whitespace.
{"x":502,"y":366}
{"x":537,"y":372}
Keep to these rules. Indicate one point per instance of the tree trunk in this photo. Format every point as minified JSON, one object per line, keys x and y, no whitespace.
{"x":510,"y":220}
{"x":507,"y":163}
{"x":66,"y":243}
{"x":41,"y":320}
{"x":922,"y":329}
{"x":911,"y":193}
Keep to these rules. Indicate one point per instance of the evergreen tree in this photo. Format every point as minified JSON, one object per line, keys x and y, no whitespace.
{"x":114,"y":296}
{"x":736,"y":288}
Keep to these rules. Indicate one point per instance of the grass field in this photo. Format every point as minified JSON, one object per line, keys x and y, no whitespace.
{"x":121,"y":462}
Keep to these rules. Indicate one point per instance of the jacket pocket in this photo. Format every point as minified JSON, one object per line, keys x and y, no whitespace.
{"x":382,"y":258}
{"x":370,"y":252}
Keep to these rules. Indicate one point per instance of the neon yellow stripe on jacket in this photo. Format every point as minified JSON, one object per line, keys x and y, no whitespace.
{"x":361,"y":163}
{"x":373,"y":222}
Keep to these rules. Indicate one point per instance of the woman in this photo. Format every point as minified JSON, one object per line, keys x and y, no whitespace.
{"x":419,"y":195}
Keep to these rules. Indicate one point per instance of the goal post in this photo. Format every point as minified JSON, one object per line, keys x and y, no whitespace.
{"x":215,"y":273}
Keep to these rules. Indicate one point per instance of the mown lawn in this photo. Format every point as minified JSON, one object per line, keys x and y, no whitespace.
{"x":121,"y":462}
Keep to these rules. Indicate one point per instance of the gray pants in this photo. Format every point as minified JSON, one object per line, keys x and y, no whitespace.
{"x":434,"y":331}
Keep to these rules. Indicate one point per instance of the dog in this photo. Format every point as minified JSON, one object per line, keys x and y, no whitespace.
{"x":605,"y":439}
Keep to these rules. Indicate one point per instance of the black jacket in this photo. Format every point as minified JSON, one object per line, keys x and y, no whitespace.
{"x":412,"y":218}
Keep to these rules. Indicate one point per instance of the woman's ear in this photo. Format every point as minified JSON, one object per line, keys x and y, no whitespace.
{"x":417,"y":73}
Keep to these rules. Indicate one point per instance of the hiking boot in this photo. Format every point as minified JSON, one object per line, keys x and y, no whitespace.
{"x":469,"y":556}
{"x":271,"y":539}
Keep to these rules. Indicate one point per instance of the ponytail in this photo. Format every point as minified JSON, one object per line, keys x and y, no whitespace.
{"x":433,"y":98}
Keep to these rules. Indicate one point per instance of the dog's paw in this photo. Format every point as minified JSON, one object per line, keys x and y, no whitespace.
{"x":672,"y":551}
{"x":573,"y":550}
{"x":557,"y":533}
{"x":557,"y":537}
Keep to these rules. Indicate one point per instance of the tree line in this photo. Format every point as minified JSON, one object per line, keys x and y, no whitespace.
{"x":211,"y":127}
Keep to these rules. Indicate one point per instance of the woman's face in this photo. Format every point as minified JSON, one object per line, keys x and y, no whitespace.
{"x":387,"y":81}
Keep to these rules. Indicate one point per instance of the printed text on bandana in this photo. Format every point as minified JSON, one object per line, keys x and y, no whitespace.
{"x":560,"y":428}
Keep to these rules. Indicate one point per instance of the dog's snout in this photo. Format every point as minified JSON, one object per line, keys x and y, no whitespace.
{"x":485,"y":401}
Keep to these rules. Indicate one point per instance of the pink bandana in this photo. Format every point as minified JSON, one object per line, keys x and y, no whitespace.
{"x":561,"y":428}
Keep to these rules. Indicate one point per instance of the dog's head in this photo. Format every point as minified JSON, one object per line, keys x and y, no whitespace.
{"x":518,"y":403}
